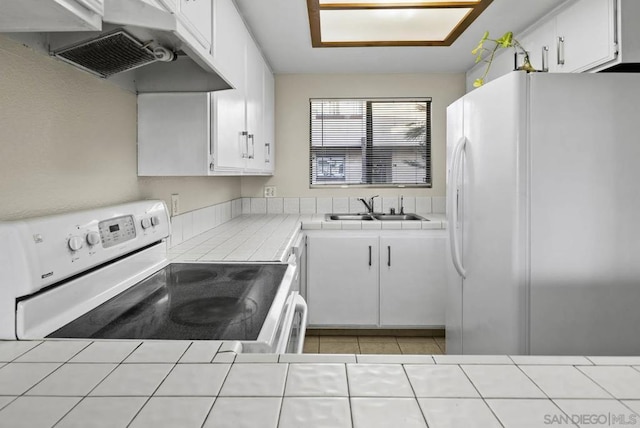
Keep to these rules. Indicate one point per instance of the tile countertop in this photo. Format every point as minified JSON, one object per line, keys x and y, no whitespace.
{"x":268,"y":237}
{"x":80,"y":383}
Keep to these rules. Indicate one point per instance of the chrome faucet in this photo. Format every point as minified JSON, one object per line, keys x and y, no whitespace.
{"x":401,"y":204}
{"x":368,"y":205}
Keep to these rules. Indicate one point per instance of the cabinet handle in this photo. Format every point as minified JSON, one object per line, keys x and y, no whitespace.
{"x":267,"y":158}
{"x":560,"y":50}
{"x":369,"y":255}
{"x":389,"y":255}
{"x":253,"y":146}
{"x":545,"y":58}
{"x":245,"y":152}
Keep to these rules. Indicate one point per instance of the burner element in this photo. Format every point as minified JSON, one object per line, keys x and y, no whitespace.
{"x":245,"y":274}
{"x":192,"y":275}
{"x":214,"y":311}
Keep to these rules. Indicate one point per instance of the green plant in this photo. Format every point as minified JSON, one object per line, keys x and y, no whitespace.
{"x":506,"y":41}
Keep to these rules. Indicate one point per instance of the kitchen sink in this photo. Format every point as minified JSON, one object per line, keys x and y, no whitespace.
{"x":358,"y":217}
{"x":402,"y":217}
{"x":375,"y":216}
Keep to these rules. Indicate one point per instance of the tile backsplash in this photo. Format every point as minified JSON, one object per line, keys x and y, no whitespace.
{"x":192,"y":223}
{"x":188,"y":225}
{"x":424,"y":205}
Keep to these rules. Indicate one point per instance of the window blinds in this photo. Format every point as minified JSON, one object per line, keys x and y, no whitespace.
{"x":370,"y":142}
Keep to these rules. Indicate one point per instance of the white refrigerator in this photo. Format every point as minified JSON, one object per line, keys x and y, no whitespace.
{"x":543,"y":210}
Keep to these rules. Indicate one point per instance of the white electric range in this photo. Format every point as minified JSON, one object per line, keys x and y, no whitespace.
{"x":104,"y":274}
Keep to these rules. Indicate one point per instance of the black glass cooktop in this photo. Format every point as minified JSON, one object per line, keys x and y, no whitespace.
{"x":197,"y":301}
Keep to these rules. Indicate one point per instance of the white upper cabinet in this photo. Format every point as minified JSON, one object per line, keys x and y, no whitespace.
{"x":585,"y":35}
{"x":579,"y":36}
{"x":195,"y":134}
{"x":174,"y":134}
{"x":541,"y":45}
{"x":243,"y":123}
{"x":243,"y":117}
{"x":51,"y":15}
{"x":229,"y":42}
{"x":197,"y":17}
{"x":268,"y":118}
{"x":239,"y":121}
{"x":230,"y":139}
{"x":254,"y":100}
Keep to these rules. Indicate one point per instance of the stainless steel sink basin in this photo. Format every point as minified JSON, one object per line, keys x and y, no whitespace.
{"x":397,"y":217}
{"x":376,"y":216}
{"x":358,"y":217}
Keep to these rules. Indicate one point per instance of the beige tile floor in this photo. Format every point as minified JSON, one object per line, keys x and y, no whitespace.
{"x":373,"y":345}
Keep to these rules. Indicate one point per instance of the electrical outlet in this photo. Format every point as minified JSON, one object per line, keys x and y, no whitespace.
{"x":175,"y":204}
{"x":269,"y":191}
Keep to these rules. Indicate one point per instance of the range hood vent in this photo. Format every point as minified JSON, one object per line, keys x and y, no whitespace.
{"x":108,"y":54}
{"x":142,"y":46}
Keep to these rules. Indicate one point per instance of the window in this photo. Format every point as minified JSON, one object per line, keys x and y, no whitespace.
{"x":372,"y":142}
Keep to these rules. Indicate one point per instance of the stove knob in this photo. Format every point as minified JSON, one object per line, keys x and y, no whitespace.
{"x":75,"y":243}
{"x":146,"y":223}
{"x":155,"y":220}
{"x":93,"y":238}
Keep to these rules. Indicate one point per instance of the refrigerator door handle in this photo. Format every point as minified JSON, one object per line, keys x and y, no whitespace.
{"x":452,"y":211}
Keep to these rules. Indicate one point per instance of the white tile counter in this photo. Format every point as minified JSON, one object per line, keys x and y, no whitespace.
{"x":255,"y":237}
{"x":144,"y":384}
{"x":268,"y":237}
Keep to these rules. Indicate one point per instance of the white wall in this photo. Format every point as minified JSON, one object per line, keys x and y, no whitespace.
{"x":292,"y":126}
{"x":68,"y":141}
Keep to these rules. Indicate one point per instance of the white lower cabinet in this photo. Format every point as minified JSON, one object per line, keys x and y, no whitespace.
{"x":342,"y":280}
{"x":412,"y":280}
{"x":376,"y":279}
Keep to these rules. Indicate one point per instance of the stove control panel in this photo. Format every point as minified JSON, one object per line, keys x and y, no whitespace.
{"x":117,"y":230}
{"x":57,"y":247}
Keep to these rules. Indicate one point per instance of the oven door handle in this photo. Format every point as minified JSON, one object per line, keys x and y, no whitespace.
{"x":281,"y":345}
{"x":301,"y":306}
{"x":295,"y":303}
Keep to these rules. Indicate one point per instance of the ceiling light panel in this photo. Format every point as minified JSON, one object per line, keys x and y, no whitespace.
{"x":392,"y":3}
{"x":388,"y":25}
{"x":336,"y":23}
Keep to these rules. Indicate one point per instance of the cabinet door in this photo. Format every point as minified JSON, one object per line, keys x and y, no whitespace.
{"x":585,"y":35}
{"x":268,"y":117}
{"x":197,"y":16}
{"x":254,"y":98}
{"x":229,"y":139}
{"x":413,"y":280}
{"x":173,"y":134}
{"x":51,"y":15}
{"x":541,"y":45}
{"x":230,"y":37}
{"x":342,"y":281}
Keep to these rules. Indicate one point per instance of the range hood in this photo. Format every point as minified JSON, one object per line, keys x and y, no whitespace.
{"x":142,"y":39}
